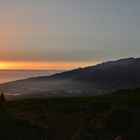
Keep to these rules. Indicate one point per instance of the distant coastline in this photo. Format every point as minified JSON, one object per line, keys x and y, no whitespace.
{"x":12,"y":75}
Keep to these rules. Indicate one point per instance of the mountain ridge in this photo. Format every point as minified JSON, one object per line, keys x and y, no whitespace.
{"x":119,"y":74}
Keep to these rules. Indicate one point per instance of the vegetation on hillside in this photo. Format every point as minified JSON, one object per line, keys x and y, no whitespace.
{"x":115,"y":116}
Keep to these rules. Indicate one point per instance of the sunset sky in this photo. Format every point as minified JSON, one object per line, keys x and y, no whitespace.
{"x":65,"y":34}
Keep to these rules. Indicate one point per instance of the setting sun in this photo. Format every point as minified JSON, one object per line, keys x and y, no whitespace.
{"x":4,"y":65}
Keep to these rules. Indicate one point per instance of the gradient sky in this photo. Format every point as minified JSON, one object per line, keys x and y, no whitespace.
{"x":64,"y":34}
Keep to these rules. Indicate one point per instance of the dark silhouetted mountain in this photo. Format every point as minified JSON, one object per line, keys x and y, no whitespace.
{"x":120,"y":74}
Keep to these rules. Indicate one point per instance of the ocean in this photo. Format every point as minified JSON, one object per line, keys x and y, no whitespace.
{"x":12,"y":75}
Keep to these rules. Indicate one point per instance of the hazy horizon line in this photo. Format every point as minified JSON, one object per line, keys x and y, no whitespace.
{"x":32,"y":70}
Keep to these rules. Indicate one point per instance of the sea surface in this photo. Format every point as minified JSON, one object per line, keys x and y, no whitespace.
{"x":12,"y":75}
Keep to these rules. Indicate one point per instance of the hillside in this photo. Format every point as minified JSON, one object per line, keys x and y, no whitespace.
{"x":72,"y":118}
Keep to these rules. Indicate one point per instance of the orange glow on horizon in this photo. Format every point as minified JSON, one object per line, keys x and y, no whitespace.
{"x":3,"y":65}
{"x":43,"y":65}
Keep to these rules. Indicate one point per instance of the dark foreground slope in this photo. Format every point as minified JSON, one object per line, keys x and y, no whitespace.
{"x":73,"y":118}
{"x":113,"y":75}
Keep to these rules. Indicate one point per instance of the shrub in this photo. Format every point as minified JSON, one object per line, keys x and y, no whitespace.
{"x":119,"y":119}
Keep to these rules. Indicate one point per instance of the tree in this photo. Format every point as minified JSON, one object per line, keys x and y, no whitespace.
{"x":2,"y":103}
{"x":2,"y":98}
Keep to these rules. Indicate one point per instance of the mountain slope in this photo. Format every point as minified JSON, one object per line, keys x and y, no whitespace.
{"x":120,"y":74}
